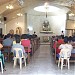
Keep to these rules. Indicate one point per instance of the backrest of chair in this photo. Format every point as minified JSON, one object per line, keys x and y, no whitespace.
{"x":65,"y":53}
{"x":17,"y":52}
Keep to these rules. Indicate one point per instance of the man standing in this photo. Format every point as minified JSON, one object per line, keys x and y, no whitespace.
{"x":62,"y":35}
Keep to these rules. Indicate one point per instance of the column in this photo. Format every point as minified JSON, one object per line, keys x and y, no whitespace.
{"x":25,"y":22}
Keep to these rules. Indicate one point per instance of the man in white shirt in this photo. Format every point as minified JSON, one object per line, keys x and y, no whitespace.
{"x":62,"y":35}
{"x":66,"y":46}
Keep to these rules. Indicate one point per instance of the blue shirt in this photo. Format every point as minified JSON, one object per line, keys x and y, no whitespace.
{"x":73,"y":51}
{"x":8,"y":42}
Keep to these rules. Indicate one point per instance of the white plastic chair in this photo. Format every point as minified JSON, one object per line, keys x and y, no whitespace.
{"x":1,"y":65}
{"x":18,"y":54}
{"x":64,"y":55}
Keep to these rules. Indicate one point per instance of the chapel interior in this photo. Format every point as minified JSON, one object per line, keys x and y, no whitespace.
{"x":19,"y":17}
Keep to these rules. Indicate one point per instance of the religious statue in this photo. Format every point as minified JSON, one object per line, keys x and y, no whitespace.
{"x":46,"y":26}
{"x":46,"y":30}
{"x":18,"y":30}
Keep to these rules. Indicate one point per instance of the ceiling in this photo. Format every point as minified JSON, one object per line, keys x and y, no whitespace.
{"x":28,"y":5}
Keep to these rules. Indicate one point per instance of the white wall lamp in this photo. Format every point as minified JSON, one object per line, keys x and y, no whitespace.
{"x":19,"y":14}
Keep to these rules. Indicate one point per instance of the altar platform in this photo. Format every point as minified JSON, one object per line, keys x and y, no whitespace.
{"x":47,"y":32}
{"x":45,"y":36}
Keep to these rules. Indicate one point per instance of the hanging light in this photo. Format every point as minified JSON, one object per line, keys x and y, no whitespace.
{"x":46,"y":8}
{"x":9,"y":6}
{"x":19,"y":14}
{"x":71,"y":14}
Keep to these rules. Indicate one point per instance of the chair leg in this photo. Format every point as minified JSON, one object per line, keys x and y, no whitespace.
{"x":20,"y":63}
{"x":15,"y":60}
{"x":58,"y":62}
{"x":62,"y":63}
{"x":1,"y":67}
{"x":68,"y":63}
{"x":25,"y":61}
{"x":28,"y":59}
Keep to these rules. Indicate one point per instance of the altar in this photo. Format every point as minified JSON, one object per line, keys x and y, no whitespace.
{"x":46,"y":32}
{"x":45,"y":35}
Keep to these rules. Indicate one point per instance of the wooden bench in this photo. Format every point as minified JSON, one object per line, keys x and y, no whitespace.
{"x":6,"y":54}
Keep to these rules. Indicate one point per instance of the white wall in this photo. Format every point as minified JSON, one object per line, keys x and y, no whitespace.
{"x":13,"y":24}
{"x":57,"y":23}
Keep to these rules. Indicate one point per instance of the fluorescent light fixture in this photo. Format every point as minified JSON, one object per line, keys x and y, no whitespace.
{"x":46,"y":8}
{"x":19,"y":14}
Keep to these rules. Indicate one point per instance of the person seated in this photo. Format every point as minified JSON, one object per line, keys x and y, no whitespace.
{"x":15,"y":37}
{"x":8,"y":41}
{"x":60,"y":40}
{"x":2,"y":57}
{"x":26,"y":42}
{"x":70,"y":38}
{"x":73,"y":38}
{"x":5,"y":37}
{"x":56,"y":47}
{"x":66,"y":38}
{"x":34,"y":35}
{"x":66,"y":46}
{"x":18,"y":45}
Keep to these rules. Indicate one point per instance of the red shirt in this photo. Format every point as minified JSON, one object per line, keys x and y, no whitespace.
{"x":26,"y":43}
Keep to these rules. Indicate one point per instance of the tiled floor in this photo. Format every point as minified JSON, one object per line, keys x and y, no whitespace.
{"x":42,"y":63}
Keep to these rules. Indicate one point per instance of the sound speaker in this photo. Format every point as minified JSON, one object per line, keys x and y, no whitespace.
{"x":0,"y":30}
{"x":5,"y":18}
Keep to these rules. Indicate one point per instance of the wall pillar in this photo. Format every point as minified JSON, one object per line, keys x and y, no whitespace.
{"x":25,"y":22}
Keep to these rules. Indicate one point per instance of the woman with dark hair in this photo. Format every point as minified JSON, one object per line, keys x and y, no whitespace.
{"x":70,"y":38}
{"x":34,"y":35}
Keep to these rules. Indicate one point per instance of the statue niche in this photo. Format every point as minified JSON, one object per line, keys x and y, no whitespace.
{"x":46,"y":26}
{"x":18,"y":30}
{"x":46,"y":31}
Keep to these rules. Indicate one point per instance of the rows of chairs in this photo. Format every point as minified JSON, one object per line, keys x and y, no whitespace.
{"x":18,"y":54}
{"x":61,"y":60}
